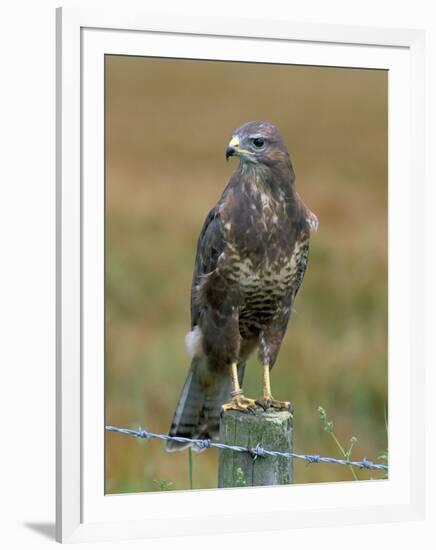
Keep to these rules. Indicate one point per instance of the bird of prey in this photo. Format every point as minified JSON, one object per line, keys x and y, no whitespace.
{"x":252,"y":254}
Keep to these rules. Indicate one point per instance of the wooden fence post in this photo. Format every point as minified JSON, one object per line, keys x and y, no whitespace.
{"x":272,"y":430}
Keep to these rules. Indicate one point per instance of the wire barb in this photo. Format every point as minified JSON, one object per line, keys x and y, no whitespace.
{"x":255,"y":452}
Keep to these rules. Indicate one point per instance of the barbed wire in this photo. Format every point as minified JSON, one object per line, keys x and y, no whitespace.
{"x":255,"y":452}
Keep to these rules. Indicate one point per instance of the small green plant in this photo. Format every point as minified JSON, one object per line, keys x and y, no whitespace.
{"x":328,"y":427}
{"x":240,"y":478}
{"x":164,"y":484}
{"x":384,"y":455}
{"x":190,"y":468}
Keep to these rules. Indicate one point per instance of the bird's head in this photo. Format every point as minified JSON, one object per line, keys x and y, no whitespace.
{"x":258,"y":142}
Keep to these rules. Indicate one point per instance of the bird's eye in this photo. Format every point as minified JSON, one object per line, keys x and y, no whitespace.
{"x":258,"y":142}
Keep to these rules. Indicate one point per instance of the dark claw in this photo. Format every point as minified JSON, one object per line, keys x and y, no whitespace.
{"x":251,"y":410}
{"x":260,"y":404}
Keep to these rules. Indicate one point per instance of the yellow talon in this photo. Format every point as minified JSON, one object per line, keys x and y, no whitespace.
{"x":240,"y":403}
{"x":268,"y":401}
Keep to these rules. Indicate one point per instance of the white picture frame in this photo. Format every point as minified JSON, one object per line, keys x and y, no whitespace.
{"x":84,"y":36}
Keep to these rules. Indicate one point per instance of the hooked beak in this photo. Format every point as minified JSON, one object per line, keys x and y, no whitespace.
{"x":232,"y":147}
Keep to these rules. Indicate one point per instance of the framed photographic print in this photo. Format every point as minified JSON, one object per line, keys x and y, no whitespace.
{"x":160,"y":240}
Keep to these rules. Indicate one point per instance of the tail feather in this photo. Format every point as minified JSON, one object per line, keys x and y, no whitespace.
{"x":188,"y":410}
{"x":198,"y":410}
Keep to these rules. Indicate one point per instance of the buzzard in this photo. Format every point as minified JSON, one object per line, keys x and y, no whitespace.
{"x":252,"y":254}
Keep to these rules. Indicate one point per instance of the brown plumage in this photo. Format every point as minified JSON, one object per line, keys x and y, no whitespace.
{"x":251,"y":258}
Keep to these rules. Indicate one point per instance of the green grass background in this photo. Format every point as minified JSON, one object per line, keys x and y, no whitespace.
{"x":167,"y":126}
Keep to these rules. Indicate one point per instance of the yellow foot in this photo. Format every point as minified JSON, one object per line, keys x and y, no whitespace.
{"x":240,"y":403}
{"x":269,"y":402}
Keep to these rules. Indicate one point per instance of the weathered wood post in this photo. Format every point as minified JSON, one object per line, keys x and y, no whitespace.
{"x":272,"y":430}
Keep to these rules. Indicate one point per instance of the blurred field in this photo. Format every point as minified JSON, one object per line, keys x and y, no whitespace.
{"x":167,"y":125}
